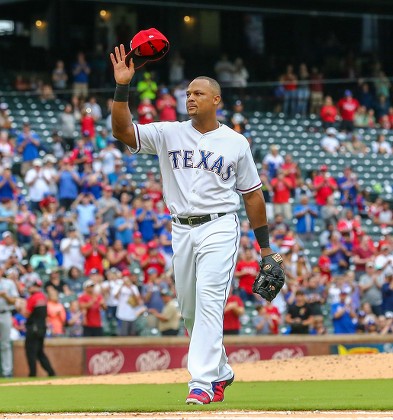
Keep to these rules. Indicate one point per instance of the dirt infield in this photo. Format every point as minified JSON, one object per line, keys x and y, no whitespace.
{"x":301,"y":369}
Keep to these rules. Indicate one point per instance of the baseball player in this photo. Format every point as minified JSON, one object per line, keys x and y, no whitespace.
{"x":205,"y":165}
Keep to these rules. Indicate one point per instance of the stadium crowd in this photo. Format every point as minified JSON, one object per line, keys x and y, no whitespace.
{"x":74,"y":223}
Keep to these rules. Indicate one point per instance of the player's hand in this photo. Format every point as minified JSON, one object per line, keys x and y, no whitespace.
{"x":123,"y":74}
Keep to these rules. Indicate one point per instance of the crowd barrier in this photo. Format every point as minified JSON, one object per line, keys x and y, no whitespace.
{"x":111,"y":355}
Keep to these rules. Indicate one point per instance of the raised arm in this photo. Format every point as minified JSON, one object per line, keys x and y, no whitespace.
{"x":122,"y":126}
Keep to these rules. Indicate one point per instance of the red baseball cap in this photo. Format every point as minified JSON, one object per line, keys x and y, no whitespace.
{"x":147,"y":45}
{"x":126,"y":272}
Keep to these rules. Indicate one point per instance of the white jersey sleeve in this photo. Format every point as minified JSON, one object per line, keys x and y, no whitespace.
{"x":247,"y":175}
{"x":148,"y":138}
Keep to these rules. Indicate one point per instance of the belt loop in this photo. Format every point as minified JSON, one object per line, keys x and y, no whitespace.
{"x":175,"y":219}
{"x":214,"y":216}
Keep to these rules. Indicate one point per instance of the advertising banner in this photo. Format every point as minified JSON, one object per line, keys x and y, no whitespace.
{"x":112,"y":359}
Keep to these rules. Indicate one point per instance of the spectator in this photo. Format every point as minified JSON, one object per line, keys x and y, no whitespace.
{"x":363,"y":254}
{"x":291,"y":170}
{"x":25,"y":222}
{"x":130,"y":305}
{"x":80,"y":71}
{"x":347,"y":107}
{"x":9,"y":248}
{"x":70,"y":248}
{"x":361,"y":119}
{"x":75,"y":280}
{"x":8,"y":186}
{"x":169,"y":317}
{"x":109,"y":156}
{"x":91,"y":304}
{"x":27,"y":144}
{"x":146,"y":111}
{"x":125,"y":226}
{"x":315,"y":292}
{"x":299,"y":316}
{"x":240,"y":74}
{"x":146,"y":218}
{"x":381,"y":146}
{"x":290,"y":83}
{"x":74,"y":320}
{"x":166,"y":106}
{"x":176,"y":68}
{"x":267,"y":320}
{"x":303,"y":90}
{"x":67,"y":125}
{"x":385,"y":215}
{"x":59,"y":76}
{"x":366,"y":98}
{"x":180,"y":94}
{"x":85,"y":209}
{"x":382,"y":84}
{"x":43,"y":260}
{"x":5,"y":121}
{"x":94,"y":254}
{"x":329,"y":142}
{"x":282,"y":186}
{"x":382,"y":109}
{"x":355,"y":145}
{"x":348,"y":187}
{"x":118,"y":256}
{"x":107,"y":208}
{"x":50,"y":173}
{"x":273,"y":161}
{"x":56,"y":315}
{"x":81,"y":154}
{"x":316,"y":88}
{"x":94,"y":107}
{"x":328,"y":113}
{"x":246,"y":271}
{"x":88,"y":129}
{"x":147,"y":87}
{"x":224,"y":70}
{"x":152,"y":259}
{"x":58,"y":147}
{"x":338,"y":254}
{"x":138,"y":248}
{"x":151,"y":293}
{"x":7,"y":214}
{"x":233,"y":310}
{"x":68,"y":182}
{"x":324,"y":186}
{"x":343,"y":315}
{"x":165,"y":240}
{"x":305,"y":214}
{"x":370,"y":284}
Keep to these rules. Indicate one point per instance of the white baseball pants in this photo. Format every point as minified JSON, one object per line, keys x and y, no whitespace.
{"x":204,"y":263}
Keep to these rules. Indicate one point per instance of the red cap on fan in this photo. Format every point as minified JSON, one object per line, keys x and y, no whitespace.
{"x":147,"y":45}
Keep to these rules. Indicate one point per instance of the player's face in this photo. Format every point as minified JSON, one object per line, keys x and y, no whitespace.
{"x":201,"y":98}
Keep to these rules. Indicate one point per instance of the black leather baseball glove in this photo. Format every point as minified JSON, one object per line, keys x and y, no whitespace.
{"x":271,"y":277}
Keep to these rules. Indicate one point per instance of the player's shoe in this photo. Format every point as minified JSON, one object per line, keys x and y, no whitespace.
{"x":219,"y":387}
{"x":198,"y":396}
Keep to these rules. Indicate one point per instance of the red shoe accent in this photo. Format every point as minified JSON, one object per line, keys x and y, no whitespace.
{"x":198,"y":396}
{"x":219,"y":387}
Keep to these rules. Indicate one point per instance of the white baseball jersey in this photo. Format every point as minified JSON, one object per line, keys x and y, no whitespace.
{"x":202,"y":173}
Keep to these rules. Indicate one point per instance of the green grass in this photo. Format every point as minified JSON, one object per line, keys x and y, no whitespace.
{"x":307,"y":395}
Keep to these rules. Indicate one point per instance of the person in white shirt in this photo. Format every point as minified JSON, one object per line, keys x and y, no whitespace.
{"x":130,"y":304}
{"x":9,"y":248}
{"x":329,"y":142}
{"x":70,"y":248}
{"x":38,"y":184}
{"x":381,"y":146}
{"x":108,"y":157}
